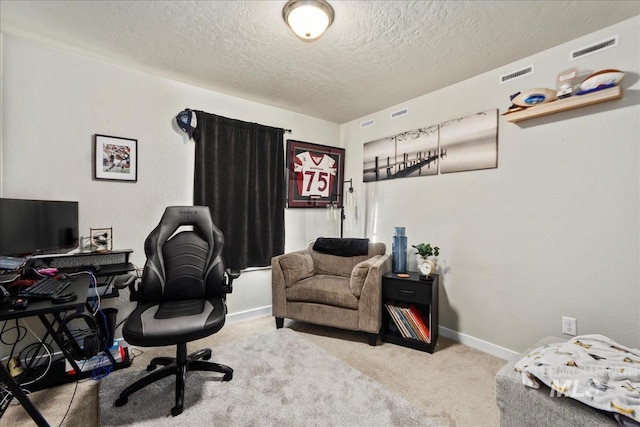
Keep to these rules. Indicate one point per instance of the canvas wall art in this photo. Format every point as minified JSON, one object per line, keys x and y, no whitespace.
{"x":456,"y":145}
{"x":417,"y":152}
{"x":379,"y":160}
{"x":469,"y":143}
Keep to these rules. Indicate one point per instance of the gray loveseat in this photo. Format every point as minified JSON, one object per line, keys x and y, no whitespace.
{"x":331,"y":290}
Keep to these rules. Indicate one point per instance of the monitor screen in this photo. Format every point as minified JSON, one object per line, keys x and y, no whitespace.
{"x":32,"y":227}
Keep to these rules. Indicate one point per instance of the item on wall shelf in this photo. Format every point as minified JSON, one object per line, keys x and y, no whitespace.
{"x":187,"y":121}
{"x":101,"y":239}
{"x":566,"y":104}
{"x":426,"y":265}
{"x":315,"y":175}
{"x":602,"y":79}
{"x":566,"y":83}
{"x":399,"y":250}
{"x":115,"y":158}
{"x":535,"y":96}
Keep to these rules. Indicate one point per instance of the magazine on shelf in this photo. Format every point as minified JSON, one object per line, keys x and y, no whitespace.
{"x":410,"y":320}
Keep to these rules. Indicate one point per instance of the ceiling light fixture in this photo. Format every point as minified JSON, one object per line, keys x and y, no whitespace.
{"x":308,"y":19}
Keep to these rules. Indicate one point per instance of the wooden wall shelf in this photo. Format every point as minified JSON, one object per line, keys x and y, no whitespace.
{"x":571,"y":103}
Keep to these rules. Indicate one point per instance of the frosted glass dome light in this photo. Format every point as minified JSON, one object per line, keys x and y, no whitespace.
{"x":308,"y":19}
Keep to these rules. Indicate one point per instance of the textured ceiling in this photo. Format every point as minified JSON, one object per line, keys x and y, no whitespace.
{"x":375,"y":55}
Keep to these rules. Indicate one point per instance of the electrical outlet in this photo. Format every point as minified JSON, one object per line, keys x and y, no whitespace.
{"x":569,"y":326}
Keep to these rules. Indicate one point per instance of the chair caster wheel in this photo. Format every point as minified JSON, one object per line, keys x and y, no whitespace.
{"x":151,"y":367}
{"x":227,"y":377}
{"x":206,"y":357}
{"x":121,"y":401}
{"x":175,"y":411}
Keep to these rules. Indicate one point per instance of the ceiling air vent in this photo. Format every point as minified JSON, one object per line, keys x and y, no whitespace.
{"x":514,"y":75}
{"x":399,"y":113}
{"x":367,"y":123}
{"x":596,"y":47}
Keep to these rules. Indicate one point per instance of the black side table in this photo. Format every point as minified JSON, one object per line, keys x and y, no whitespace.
{"x":410,"y":304}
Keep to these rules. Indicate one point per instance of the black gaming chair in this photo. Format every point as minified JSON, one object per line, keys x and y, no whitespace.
{"x":182,"y":297}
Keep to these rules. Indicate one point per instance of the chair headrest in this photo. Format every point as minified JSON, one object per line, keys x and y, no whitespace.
{"x":177,"y":216}
{"x":197,"y":216}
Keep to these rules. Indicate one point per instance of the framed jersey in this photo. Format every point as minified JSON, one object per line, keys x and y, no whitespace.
{"x":315,"y":175}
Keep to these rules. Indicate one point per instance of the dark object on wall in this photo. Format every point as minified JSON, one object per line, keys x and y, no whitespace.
{"x":175,"y":308}
{"x":315,"y":175}
{"x":239,"y":176}
{"x":187,"y":121}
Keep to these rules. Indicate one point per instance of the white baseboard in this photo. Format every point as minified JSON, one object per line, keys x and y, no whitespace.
{"x":478,"y":344}
{"x":249,"y":314}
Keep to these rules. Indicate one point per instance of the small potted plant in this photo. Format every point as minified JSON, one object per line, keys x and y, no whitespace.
{"x":426,"y":266}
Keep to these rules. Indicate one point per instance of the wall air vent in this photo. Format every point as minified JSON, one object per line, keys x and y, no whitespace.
{"x":596,"y":47}
{"x":399,"y":113}
{"x":514,"y":75}
{"x":367,"y":123}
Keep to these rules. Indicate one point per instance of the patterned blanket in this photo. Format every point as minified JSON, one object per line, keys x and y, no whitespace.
{"x":592,"y":369}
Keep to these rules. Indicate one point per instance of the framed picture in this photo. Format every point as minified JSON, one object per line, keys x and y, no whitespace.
{"x":315,"y":175}
{"x":115,"y":158}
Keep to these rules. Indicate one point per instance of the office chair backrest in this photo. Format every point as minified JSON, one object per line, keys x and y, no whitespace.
{"x":186,"y":264}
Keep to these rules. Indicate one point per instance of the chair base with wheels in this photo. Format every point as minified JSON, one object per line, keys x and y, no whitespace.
{"x":178,"y":366}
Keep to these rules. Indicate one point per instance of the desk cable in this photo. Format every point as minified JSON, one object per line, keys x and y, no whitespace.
{"x":4,"y":391}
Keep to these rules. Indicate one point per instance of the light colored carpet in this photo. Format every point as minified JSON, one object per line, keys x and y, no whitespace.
{"x":280,"y":379}
{"x":456,"y":382}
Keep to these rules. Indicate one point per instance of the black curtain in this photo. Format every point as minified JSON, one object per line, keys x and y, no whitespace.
{"x":239,"y":174}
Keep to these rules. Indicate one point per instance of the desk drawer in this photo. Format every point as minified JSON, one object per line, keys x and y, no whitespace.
{"x":402,"y":290}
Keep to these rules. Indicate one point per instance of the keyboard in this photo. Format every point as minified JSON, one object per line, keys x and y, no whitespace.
{"x":47,"y":288}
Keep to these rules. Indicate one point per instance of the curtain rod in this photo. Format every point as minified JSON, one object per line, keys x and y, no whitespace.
{"x":184,"y":119}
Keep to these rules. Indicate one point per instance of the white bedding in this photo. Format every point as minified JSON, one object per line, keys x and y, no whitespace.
{"x":592,"y":369}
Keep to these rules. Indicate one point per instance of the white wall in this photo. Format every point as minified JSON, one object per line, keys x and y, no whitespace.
{"x":52,"y":104}
{"x":553,"y":231}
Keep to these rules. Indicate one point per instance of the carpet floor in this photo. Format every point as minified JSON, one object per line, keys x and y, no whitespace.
{"x":280,"y":379}
{"x":454,"y":386}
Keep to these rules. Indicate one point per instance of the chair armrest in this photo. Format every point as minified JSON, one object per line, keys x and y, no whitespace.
{"x":124,"y":281}
{"x":230,"y":276}
{"x":370,"y":305}
{"x":294,"y":266}
{"x":280,"y":280}
{"x":130,"y":281}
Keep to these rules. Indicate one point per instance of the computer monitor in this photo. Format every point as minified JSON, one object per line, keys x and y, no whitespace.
{"x":34,"y":227}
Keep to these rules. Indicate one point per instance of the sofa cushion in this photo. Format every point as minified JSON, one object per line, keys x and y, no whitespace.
{"x":339,"y":265}
{"x":296,"y":266}
{"x":324,"y":289}
{"x":359,"y":275}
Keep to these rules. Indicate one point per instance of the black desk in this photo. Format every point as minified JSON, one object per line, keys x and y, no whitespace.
{"x":79,"y":285}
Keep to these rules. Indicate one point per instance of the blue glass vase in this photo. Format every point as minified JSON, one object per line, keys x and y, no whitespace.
{"x":399,"y":249}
